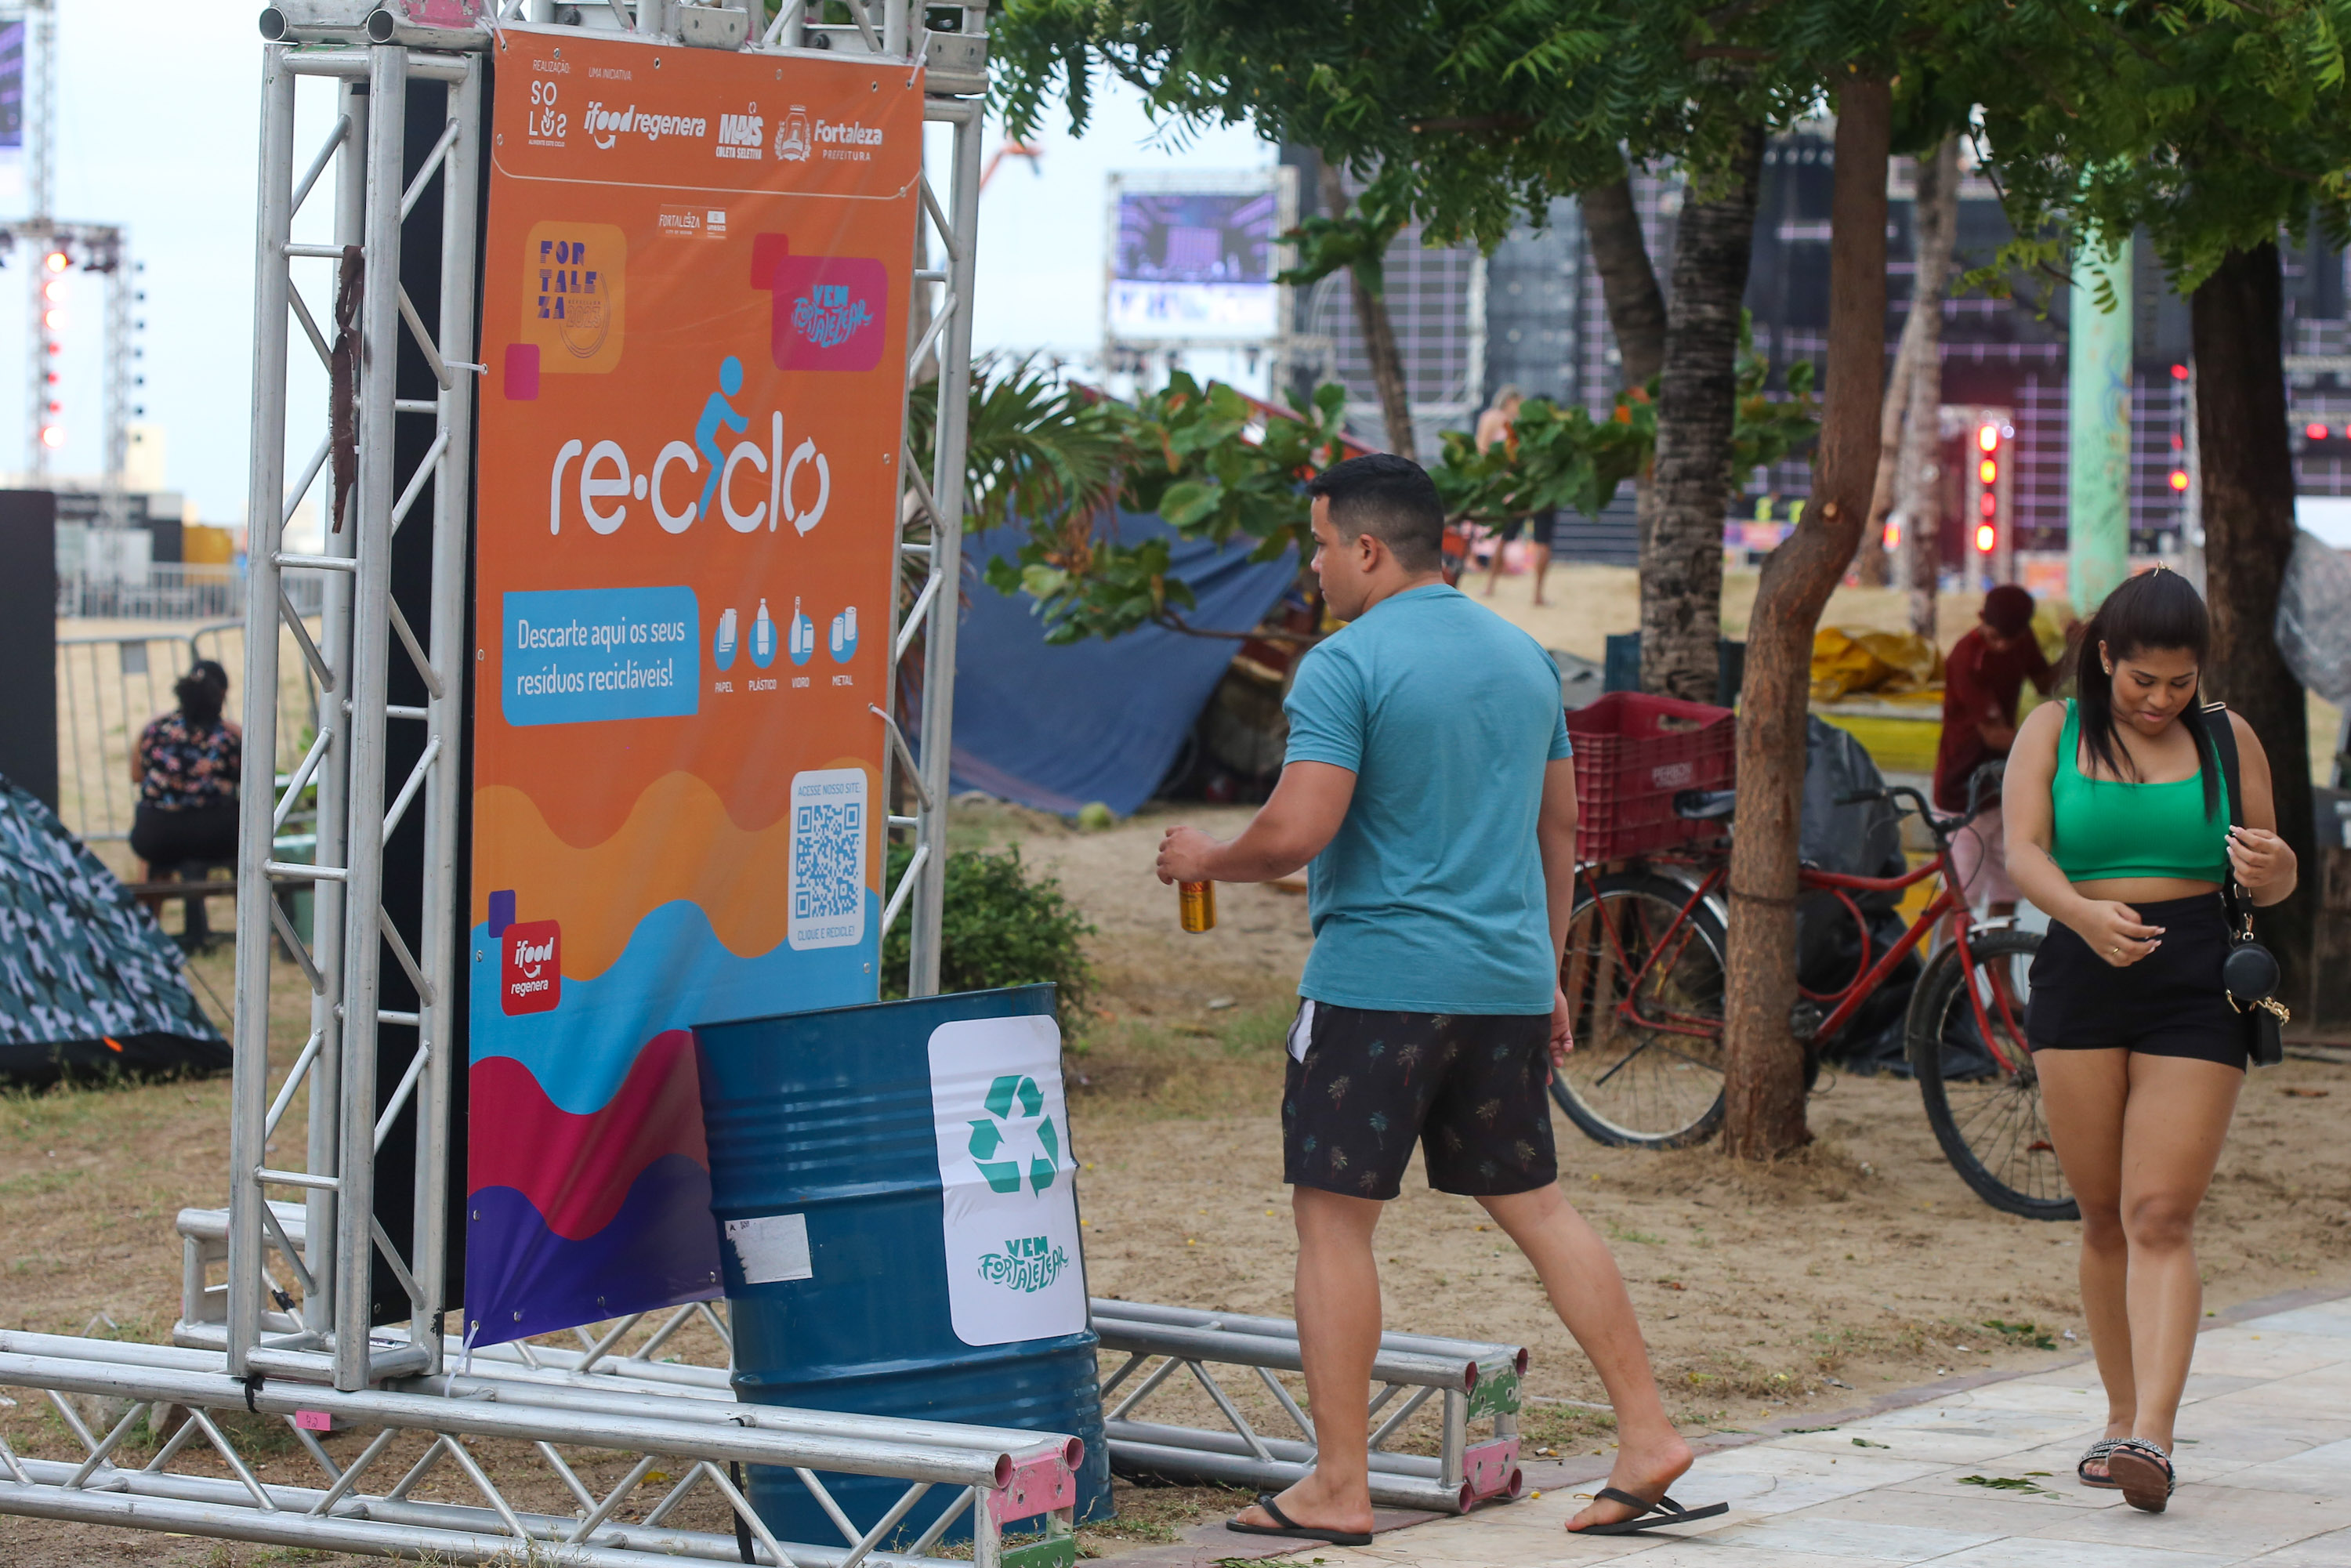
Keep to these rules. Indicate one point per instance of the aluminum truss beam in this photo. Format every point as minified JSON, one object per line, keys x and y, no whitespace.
{"x":1004,"y":1475}
{"x":1470,"y":1381}
{"x":318,"y":1295}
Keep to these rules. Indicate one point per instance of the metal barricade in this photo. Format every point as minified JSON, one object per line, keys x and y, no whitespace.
{"x":111,"y":685}
{"x":164,"y":590}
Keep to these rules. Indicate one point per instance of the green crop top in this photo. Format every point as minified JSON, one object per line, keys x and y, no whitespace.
{"x":2101,"y":828}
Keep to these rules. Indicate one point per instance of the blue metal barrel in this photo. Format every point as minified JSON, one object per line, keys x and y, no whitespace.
{"x":896,"y":1197}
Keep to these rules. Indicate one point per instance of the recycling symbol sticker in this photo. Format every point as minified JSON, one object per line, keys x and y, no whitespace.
{"x":1015,"y":1102}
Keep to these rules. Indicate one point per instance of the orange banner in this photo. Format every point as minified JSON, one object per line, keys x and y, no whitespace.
{"x":695,"y":323}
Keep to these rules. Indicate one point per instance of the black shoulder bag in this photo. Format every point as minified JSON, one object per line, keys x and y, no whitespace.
{"x":2250,"y":973}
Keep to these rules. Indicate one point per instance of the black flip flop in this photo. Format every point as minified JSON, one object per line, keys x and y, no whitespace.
{"x":1662,"y":1512}
{"x":1291,"y":1530}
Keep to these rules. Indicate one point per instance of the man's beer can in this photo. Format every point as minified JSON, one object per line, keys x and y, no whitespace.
{"x":1197,"y":903}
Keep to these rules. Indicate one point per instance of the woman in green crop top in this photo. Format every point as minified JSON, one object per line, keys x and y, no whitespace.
{"x":2117,"y":826}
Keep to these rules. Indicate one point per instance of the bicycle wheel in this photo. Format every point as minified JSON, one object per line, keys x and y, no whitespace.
{"x":1982,"y":1095}
{"x":1643,"y":978}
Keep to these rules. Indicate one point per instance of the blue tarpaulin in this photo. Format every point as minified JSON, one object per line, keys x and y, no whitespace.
{"x":1056,"y":727}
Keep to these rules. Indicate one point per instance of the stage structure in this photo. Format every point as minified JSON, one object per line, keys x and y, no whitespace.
{"x":337,"y":1249}
{"x":1190,"y":260}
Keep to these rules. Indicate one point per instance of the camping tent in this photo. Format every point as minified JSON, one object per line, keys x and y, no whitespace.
{"x":89,"y":983}
{"x":1056,"y":727}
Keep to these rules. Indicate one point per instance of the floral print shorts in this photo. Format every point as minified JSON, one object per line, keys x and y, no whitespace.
{"x":1470,"y":1089}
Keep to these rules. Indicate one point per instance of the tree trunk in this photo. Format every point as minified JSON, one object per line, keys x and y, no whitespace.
{"x":1620,"y":254}
{"x":1378,"y":330}
{"x":1869,"y":561}
{"x":1765,"y":1112}
{"x":2248,"y":483}
{"x":1636,"y":311}
{"x":1698,"y":403}
{"x":1919,"y":466}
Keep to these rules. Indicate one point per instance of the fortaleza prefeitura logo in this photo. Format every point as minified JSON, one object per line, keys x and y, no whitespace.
{"x":1027,"y":1264}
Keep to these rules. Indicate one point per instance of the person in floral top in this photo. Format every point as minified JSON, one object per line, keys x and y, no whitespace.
{"x":187,"y":765}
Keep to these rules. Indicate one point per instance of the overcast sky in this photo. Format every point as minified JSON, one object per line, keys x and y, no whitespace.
{"x":158,"y":112}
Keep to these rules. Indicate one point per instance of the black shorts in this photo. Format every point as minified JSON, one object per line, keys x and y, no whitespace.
{"x":1470,"y":1088}
{"x":2169,"y":1003}
{"x":1536,"y":528}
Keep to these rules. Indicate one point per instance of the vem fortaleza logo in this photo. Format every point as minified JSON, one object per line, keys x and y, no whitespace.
{"x":1027,"y":1264}
{"x":829,"y":312}
{"x":1015,"y":1107}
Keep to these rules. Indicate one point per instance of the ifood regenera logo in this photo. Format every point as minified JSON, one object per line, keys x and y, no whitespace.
{"x":606,"y":125}
{"x":530,"y":978}
{"x":606,"y":480}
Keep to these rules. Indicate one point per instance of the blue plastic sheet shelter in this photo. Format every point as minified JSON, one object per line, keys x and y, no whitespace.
{"x":1056,"y":727}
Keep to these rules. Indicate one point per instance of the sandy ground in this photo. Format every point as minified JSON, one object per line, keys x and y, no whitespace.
{"x":1862,"y":1265}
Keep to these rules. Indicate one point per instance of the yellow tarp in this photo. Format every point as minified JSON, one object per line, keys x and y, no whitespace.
{"x":1846,"y":664}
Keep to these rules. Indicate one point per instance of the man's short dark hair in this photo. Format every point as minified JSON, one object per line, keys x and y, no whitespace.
{"x":1393,"y":499}
{"x":2008,"y":608}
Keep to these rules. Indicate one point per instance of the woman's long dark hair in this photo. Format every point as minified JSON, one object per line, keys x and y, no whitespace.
{"x":2154,"y":610}
{"x":202,"y":691}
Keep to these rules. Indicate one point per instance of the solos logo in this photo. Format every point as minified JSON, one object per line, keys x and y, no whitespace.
{"x":530,"y":976}
{"x":829,"y":312}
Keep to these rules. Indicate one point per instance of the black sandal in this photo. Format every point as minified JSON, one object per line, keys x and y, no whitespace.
{"x":1662,"y":1512}
{"x":2096,"y":1454}
{"x":2143,"y":1472}
{"x":1291,"y":1530}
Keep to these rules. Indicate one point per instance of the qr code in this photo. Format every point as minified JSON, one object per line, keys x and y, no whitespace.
{"x":828,"y":857}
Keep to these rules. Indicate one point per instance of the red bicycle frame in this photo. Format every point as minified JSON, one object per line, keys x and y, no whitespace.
{"x":1945,"y":904}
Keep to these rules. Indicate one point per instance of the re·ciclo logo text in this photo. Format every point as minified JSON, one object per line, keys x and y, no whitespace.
{"x":599,"y":481}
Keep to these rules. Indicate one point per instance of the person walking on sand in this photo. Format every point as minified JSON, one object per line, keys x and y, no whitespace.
{"x":2118,"y":826}
{"x":1983,"y":677}
{"x":1429,"y":782}
{"x":1498,"y":426}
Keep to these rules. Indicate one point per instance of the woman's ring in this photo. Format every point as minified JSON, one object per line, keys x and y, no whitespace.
{"x":2117,"y":952}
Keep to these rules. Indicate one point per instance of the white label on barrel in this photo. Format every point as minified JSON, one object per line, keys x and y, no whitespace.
{"x":771,"y":1247}
{"x":1010,"y":1209}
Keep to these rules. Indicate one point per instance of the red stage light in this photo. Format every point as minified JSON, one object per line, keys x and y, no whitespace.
{"x":2179,"y":478}
{"x":2314,"y":431}
{"x":2180,"y":372}
{"x":1988,"y":471}
{"x":1987,"y":503}
{"x":53,"y":435}
{"x":1893,"y":535}
{"x":1985,"y":536}
{"x":1988,"y":438}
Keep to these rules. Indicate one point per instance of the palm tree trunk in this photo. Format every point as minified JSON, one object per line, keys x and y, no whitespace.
{"x":1636,"y":311}
{"x":1378,"y":330}
{"x":2235,"y":322}
{"x":1681,"y":559}
{"x":1920,"y":480}
{"x":1764,"y":1094}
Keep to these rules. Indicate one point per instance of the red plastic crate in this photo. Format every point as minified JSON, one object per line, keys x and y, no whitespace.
{"x":1634,"y":753}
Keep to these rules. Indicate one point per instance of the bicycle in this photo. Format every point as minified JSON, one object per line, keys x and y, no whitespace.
{"x":1643,"y":973}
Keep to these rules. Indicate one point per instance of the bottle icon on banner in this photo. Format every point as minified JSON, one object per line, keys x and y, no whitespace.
{"x":842,"y":642}
{"x":722,"y":649}
{"x":763,"y":638}
{"x":803,"y":633}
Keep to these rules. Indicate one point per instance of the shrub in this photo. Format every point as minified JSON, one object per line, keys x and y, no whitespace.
{"x":1000,"y":927}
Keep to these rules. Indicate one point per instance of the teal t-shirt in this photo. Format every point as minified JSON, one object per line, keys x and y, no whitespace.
{"x":1431,"y":898}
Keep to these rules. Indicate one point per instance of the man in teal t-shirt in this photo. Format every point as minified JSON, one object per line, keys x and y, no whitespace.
{"x":1428,"y":781}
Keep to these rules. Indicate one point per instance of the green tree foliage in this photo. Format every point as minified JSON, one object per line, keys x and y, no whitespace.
{"x":1002,"y":925}
{"x":1561,"y":459}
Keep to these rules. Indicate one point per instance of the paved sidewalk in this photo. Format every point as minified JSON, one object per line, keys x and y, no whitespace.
{"x":2264,"y":1459}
